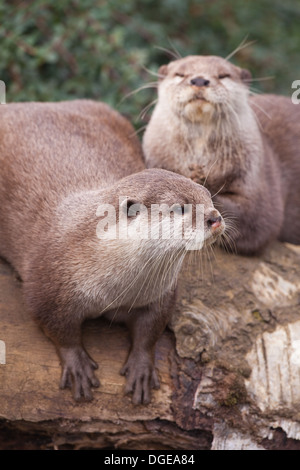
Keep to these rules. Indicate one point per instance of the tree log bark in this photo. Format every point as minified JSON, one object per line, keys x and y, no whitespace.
{"x":229,"y":366}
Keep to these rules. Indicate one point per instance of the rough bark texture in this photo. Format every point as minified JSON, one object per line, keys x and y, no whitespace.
{"x":229,"y":366}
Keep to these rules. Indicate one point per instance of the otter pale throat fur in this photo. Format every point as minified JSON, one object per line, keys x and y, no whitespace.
{"x":245,"y":149}
{"x":59,"y":162}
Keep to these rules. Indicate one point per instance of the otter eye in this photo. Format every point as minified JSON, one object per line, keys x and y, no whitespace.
{"x":133,"y":209}
{"x":178,"y":209}
{"x":224,"y":75}
{"x":130,"y":207}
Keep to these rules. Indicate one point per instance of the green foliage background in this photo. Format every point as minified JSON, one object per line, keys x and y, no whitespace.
{"x":95,"y":49}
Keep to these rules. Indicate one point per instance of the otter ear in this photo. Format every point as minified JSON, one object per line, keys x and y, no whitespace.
{"x":162,"y":72}
{"x":245,"y":75}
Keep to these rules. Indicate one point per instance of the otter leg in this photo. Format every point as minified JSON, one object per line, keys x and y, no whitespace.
{"x":63,"y":327}
{"x":146,"y":326}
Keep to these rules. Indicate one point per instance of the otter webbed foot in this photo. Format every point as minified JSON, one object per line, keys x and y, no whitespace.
{"x":78,"y":372}
{"x":140,"y":378}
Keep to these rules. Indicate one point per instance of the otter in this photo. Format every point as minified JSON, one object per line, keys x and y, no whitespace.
{"x":62,"y":167}
{"x":245,"y":149}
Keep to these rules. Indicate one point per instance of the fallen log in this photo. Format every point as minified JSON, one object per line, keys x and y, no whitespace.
{"x":229,"y":366}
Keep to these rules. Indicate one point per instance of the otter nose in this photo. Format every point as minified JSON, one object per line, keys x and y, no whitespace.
{"x":214,"y":220}
{"x":199,"y":81}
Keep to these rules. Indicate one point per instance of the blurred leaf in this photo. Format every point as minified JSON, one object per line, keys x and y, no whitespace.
{"x":98,"y":49}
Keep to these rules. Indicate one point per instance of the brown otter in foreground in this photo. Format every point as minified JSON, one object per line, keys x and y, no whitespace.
{"x":244,"y":149}
{"x":62,"y":166}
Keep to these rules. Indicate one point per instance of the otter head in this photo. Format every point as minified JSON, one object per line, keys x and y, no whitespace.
{"x":160,"y":217}
{"x":167,"y":211}
{"x":199,"y":87}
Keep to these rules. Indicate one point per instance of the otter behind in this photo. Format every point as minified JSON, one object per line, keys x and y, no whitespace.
{"x":61,"y":166}
{"x":245,"y":149}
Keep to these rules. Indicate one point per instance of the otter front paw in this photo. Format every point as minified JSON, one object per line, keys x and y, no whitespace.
{"x":78,"y":372}
{"x":141,"y":377}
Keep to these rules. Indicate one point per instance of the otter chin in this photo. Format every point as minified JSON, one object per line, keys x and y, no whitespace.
{"x":208,"y":126}
{"x":198,"y":109}
{"x":77,"y":225}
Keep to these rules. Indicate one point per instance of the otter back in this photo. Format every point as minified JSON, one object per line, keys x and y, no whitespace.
{"x":53,"y":149}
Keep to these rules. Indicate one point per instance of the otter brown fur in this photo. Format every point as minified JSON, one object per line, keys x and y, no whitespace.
{"x":245,"y":149}
{"x":58,"y":163}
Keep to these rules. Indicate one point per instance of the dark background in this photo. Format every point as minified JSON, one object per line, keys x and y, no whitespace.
{"x":60,"y":50}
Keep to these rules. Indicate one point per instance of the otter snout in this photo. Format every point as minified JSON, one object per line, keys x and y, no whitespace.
{"x":215,"y":221}
{"x":199,"y":82}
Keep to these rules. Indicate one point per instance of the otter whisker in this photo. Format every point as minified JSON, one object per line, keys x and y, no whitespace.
{"x":232,"y":230}
{"x":146,"y":109}
{"x":261,"y":109}
{"x":261,"y":79}
{"x":173,"y":257}
{"x":128,"y":287}
{"x":257,"y":120}
{"x":230,"y":234}
{"x":226,"y":141}
{"x":156,"y":274}
{"x":210,"y":168}
{"x":229,"y":218}
{"x":161,"y":271}
{"x":233,"y":114}
{"x":165,"y":262}
{"x":179,"y":56}
{"x":209,"y":252}
{"x":139,"y":275}
{"x":240,"y":47}
{"x":143,"y":87}
{"x":197,"y":256}
{"x":151,"y":72}
{"x":177,"y":257}
{"x":175,"y":54}
{"x":254,"y":91}
{"x":219,"y":190}
{"x":146,"y":278}
{"x":141,"y":129}
{"x":186,"y":140}
{"x":228,"y":243}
